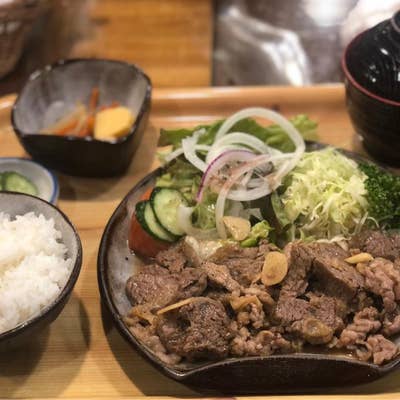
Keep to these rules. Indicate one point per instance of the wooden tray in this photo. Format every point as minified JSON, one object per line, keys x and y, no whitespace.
{"x":81,"y":355}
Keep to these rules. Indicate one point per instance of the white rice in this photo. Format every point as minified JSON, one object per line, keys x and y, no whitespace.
{"x":34,"y":267}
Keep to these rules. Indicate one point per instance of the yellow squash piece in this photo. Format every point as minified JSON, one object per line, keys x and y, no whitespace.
{"x":112,"y":123}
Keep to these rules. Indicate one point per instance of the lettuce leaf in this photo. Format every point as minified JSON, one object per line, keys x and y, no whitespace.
{"x":272,"y":135}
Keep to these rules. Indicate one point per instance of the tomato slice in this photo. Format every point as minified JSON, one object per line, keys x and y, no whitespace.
{"x":140,"y":242}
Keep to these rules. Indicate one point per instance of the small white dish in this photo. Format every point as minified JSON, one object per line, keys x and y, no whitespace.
{"x":45,"y":181}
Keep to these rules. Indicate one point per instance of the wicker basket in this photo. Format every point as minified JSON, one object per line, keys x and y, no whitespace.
{"x":16,"y":20}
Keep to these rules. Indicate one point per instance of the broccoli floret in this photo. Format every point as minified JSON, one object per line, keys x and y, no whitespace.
{"x":383,"y":195}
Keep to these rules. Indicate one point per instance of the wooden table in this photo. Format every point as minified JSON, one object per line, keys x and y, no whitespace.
{"x":81,"y":355}
{"x":170,"y":39}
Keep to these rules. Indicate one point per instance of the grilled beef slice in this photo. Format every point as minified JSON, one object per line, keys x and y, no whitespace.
{"x":157,"y":287}
{"x":313,"y":304}
{"x":378,"y":244}
{"x":199,"y":330}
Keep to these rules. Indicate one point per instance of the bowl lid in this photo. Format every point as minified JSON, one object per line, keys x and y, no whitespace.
{"x":372,"y":60}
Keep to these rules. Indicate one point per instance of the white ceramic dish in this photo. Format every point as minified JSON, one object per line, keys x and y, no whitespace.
{"x":45,"y":181}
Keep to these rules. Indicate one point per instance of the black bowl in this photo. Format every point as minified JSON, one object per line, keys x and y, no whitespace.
{"x":291,"y":373}
{"x":17,"y":204}
{"x":371,"y":66}
{"x":71,"y":81}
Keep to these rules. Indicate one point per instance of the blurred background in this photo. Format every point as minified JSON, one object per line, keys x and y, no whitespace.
{"x":188,"y":42}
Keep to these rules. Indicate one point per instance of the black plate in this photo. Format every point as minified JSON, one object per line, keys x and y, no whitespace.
{"x":251,"y":375}
{"x":71,"y":82}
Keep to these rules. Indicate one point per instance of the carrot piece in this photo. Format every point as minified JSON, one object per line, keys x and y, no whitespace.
{"x":66,"y":129}
{"x":90,"y":125}
{"x":67,"y":124}
{"x":94,"y":99}
{"x":87,"y":128}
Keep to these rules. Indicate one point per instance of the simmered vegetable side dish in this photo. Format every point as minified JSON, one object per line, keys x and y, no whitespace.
{"x":256,"y":247}
{"x":107,"y":122}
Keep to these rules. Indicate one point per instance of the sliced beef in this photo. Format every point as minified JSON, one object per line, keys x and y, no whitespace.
{"x":291,"y":309}
{"x":323,"y":300}
{"x":324,"y":261}
{"x":192,"y":282}
{"x":364,"y":323}
{"x":315,"y":321}
{"x":263,"y":343}
{"x":157,"y":287}
{"x":391,"y":324}
{"x":219,"y":276}
{"x":252,"y":315}
{"x":382,"y":349}
{"x":218,"y":294}
{"x":199,"y":330}
{"x":147,"y":335}
{"x":335,"y":277}
{"x":243,"y":263}
{"x":300,"y":258}
{"x":244,"y":270}
{"x":327,"y":309}
{"x":173,"y":258}
{"x":383,"y":279}
{"x":262,"y":293}
{"x":330,"y":310}
{"x":154,"y":286}
{"x":378,"y":244}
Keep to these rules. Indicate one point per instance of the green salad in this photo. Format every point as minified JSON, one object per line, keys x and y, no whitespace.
{"x":244,"y":170}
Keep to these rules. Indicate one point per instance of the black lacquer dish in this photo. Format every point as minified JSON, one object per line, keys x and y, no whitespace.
{"x":70,"y":82}
{"x":371,"y":66}
{"x":301,"y":372}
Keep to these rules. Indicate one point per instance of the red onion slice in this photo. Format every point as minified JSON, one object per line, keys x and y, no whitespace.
{"x":219,"y":162}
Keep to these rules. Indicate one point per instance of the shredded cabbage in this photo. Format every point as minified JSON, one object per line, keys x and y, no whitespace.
{"x":325,"y":197}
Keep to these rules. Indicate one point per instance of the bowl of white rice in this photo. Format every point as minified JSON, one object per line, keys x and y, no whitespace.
{"x":40,"y":260}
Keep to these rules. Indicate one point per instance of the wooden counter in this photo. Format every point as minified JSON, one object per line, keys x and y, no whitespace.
{"x":82,"y":355}
{"x":170,"y":39}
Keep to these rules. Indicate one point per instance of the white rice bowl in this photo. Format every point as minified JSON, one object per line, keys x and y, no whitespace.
{"x":34,"y":267}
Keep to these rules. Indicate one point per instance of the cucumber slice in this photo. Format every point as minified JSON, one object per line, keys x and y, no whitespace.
{"x":1,"y":181}
{"x":165,"y":203}
{"x":147,"y":219}
{"x":15,"y":182}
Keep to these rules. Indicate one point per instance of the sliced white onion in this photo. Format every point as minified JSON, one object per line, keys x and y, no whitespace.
{"x":185,"y":223}
{"x":249,"y":195}
{"x":271,"y":115}
{"x":198,"y":147}
{"x":189,"y":149}
{"x":245,"y":141}
{"x":217,"y":151}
